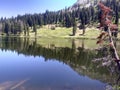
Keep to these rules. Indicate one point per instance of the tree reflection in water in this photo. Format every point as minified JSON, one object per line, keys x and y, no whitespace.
{"x":106,"y":58}
{"x":78,"y":57}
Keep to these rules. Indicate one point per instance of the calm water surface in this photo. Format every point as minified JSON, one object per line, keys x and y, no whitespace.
{"x":28,"y":66}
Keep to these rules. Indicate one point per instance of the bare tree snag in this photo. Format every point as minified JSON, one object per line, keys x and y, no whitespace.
{"x":109,"y":28}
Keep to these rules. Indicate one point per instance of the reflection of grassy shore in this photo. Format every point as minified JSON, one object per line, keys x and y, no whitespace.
{"x":68,"y":43}
{"x":54,"y":42}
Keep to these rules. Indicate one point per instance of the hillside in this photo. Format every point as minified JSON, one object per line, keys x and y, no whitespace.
{"x":84,"y":3}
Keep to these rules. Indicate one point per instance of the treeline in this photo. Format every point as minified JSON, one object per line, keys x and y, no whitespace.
{"x":63,"y":18}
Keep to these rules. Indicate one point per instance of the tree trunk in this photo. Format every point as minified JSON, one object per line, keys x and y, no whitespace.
{"x":83,"y":31}
{"x":113,"y":46}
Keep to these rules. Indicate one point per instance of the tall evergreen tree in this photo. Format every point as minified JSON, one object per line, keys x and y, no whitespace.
{"x":116,"y":15}
{"x":12,"y":28}
{"x":74,"y":26}
{"x":3,"y":27}
{"x":35,"y":29}
{"x":27,"y":28}
{"x":7,"y":28}
{"x":68,"y":20}
{"x":82,"y":19}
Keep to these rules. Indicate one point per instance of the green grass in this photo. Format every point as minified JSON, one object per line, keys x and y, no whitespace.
{"x":64,"y":33}
{"x":93,"y":34}
{"x":61,"y":37}
{"x":59,"y":32}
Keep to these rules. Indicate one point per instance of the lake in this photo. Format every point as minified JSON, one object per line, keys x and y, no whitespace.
{"x":52,"y":64}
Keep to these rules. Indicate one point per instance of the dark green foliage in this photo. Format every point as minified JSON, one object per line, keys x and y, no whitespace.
{"x":35,"y":29}
{"x":7,"y":28}
{"x":116,"y":14}
{"x":68,"y":20}
{"x":3,"y":27}
{"x":27,"y":28}
{"x":74,"y":27}
{"x":30,"y":21}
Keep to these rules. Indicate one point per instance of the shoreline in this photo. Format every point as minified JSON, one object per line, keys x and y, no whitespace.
{"x":65,"y":33}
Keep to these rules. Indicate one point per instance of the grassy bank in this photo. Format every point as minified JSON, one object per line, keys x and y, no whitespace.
{"x":62,"y":32}
{"x":91,"y":33}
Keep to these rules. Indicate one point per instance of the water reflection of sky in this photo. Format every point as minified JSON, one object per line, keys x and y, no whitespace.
{"x":23,"y":72}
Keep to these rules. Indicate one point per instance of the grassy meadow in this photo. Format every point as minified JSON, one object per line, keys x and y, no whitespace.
{"x":61,"y":32}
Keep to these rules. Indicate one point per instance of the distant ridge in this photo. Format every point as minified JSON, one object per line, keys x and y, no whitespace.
{"x":84,"y":3}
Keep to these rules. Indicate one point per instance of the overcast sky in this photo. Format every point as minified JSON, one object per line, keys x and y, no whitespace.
{"x":10,"y":8}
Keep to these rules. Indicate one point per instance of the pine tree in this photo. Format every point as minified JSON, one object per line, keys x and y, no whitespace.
{"x":116,"y":15}
{"x":12,"y":28}
{"x":68,"y":20}
{"x":7,"y":28}
{"x":20,"y":26}
{"x":30,"y":21}
{"x":3,"y":27}
{"x":82,"y":19}
{"x":35,"y":29}
{"x":74,"y":27}
{"x":27,"y":29}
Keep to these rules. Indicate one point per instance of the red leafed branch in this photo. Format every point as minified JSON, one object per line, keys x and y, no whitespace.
{"x":105,"y":9}
{"x":106,"y":23}
{"x":113,"y":27}
{"x":101,"y":37}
